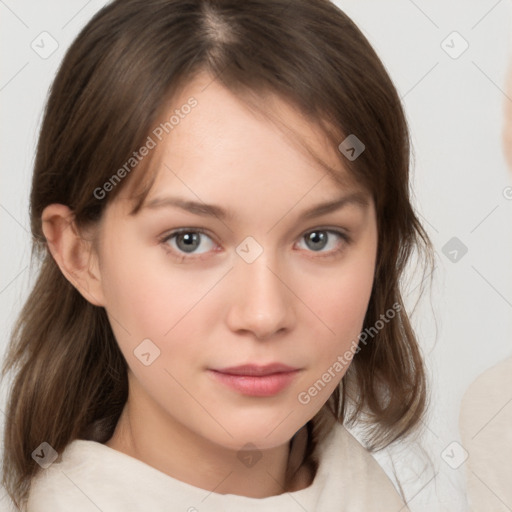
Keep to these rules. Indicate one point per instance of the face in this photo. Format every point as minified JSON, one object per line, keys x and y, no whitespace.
{"x":191,"y":290}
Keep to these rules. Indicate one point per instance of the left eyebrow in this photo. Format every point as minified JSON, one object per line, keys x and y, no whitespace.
{"x":356,"y":199}
{"x":210,"y":210}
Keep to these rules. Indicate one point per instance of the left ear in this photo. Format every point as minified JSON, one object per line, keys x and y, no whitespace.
{"x":74,"y":254}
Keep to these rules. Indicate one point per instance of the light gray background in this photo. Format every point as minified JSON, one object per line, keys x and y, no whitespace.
{"x":454,"y":108}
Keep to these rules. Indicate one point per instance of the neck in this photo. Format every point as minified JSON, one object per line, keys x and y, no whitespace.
{"x":143,"y":433}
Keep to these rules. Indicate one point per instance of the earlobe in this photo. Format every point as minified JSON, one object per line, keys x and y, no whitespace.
{"x":73,"y":254}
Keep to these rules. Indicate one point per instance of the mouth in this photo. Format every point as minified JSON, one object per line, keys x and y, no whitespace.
{"x":257,"y":370}
{"x":254,"y":380}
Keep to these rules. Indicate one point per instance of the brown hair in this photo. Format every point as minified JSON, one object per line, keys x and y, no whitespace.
{"x":70,"y":378}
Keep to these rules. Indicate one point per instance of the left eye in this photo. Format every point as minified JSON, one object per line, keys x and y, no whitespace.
{"x":321,"y":238}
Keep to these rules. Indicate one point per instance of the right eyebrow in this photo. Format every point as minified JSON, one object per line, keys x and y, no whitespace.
{"x":195,"y":207}
{"x":211,"y":210}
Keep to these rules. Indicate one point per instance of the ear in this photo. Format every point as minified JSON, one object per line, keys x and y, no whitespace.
{"x":74,"y":254}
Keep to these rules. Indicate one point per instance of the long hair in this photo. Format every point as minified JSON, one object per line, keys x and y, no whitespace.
{"x":69,"y":378}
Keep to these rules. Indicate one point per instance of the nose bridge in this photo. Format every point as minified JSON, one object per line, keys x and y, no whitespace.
{"x":262,"y":303}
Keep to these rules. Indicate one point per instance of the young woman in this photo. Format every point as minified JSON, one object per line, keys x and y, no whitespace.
{"x":220,"y":203}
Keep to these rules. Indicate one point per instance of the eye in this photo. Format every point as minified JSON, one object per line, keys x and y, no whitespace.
{"x":319,"y":239}
{"x":184,"y":243}
{"x":187,"y":241}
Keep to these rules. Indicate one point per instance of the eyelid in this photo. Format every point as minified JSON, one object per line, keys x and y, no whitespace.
{"x":177,"y":231}
{"x":343,"y":233}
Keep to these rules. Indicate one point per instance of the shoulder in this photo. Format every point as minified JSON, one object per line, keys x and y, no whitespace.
{"x":341,"y":442}
{"x":75,"y":481}
{"x":362,"y":484}
{"x":65,"y":483}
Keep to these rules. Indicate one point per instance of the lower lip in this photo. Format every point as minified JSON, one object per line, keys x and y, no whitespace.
{"x":263,"y":385}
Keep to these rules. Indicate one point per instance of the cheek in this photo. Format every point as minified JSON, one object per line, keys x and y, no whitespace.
{"x":131,"y":275}
{"x":341,"y":307}
{"x":138,"y":296}
{"x":342,"y":302}
{"x":146,"y":298}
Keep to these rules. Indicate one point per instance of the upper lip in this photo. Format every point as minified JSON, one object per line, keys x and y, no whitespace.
{"x":253,"y":369}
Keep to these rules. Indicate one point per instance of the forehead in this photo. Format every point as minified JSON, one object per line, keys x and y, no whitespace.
{"x":253,"y":126}
{"x":249,"y":145}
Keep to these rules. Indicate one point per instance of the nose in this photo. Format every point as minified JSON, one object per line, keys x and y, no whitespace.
{"x":261,"y":302}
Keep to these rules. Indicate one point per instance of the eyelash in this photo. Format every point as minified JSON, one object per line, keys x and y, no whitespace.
{"x":346,"y":240}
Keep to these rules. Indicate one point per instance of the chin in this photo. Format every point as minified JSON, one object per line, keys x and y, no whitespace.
{"x":259,"y":433}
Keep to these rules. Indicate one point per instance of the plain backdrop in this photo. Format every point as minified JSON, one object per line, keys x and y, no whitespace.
{"x":459,"y":177}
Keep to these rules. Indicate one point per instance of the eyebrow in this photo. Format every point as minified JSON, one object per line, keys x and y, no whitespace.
{"x":211,"y":210}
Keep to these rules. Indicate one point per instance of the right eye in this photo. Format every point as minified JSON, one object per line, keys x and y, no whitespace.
{"x":186,"y":241}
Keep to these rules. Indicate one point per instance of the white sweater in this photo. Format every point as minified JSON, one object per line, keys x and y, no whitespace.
{"x":92,"y":477}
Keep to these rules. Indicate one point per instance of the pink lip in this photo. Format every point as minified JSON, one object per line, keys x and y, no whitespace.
{"x":256,"y":380}
{"x":254,"y":369}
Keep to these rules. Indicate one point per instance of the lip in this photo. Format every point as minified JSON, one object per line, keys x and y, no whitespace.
{"x":257,"y":370}
{"x":254,"y":380}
